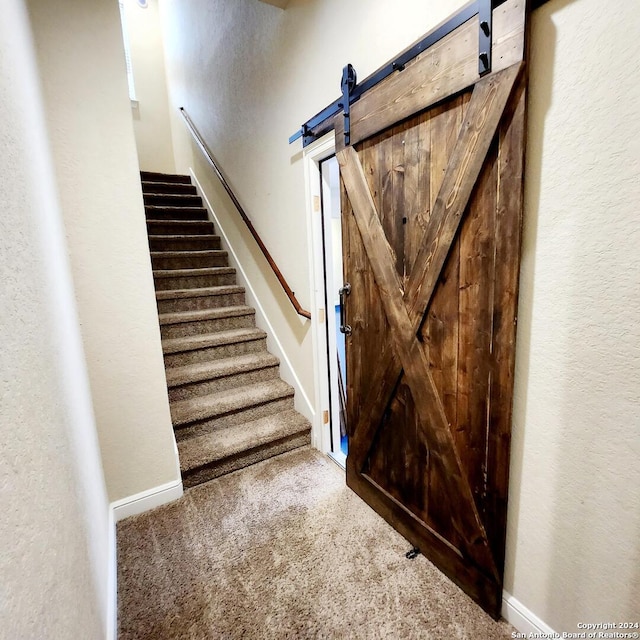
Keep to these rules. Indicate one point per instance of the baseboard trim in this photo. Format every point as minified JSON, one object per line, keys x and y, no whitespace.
{"x":112,"y":580}
{"x":146,"y":500}
{"x":288,"y":374}
{"x":522,"y":618}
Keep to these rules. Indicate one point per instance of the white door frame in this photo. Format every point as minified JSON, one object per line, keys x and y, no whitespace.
{"x":331,"y":280}
{"x":313,"y":155}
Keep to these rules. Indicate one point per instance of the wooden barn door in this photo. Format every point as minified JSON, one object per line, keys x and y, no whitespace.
{"x":432,"y":207}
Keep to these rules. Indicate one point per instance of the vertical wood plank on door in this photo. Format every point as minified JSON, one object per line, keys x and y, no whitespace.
{"x":395,"y":458}
{"x":398,"y":459}
{"x":383,"y":164}
{"x":440,"y":328}
{"x":417,"y":185}
{"x":371,"y":329}
{"x":475,"y":326}
{"x":392,"y":210}
{"x":368,"y":152}
{"x":351,"y":348}
{"x":398,"y":212}
{"x":508,"y":238}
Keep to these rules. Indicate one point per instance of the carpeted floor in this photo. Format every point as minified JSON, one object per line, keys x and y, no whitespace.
{"x":282,"y":549}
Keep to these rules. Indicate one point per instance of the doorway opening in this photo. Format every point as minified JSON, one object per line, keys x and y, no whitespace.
{"x":333,"y":281}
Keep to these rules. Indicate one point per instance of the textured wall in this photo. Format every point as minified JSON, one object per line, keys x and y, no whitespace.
{"x":250,"y":74}
{"x":81,"y":58}
{"x":574,"y":518}
{"x":151,"y":115}
{"x":54,"y":524}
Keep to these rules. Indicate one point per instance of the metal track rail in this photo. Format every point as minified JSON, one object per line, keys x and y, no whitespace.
{"x":351,"y":91}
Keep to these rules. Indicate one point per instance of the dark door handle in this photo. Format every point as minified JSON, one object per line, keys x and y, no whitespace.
{"x":344,"y":291}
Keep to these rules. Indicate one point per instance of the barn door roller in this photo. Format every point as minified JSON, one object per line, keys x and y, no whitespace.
{"x":351,"y":91}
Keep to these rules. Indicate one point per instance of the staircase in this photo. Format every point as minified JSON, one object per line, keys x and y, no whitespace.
{"x":229,"y":406}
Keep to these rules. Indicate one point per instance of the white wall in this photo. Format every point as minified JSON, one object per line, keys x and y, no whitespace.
{"x":250,"y":74}
{"x":54,"y":526}
{"x":82,"y":69}
{"x":151,"y":122}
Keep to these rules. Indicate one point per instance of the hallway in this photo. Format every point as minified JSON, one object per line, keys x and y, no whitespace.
{"x":282,"y":549}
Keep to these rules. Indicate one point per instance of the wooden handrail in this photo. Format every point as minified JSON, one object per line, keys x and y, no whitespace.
{"x":203,"y":146}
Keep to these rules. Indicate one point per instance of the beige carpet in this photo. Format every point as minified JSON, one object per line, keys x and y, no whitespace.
{"x":282,"y":549}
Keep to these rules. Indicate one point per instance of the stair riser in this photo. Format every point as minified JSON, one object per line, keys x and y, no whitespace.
{"x":188,"y":262}
{"x":184,"y":329}
{"x":194,"y":282}
{"x":246,"y":458}
{"x":172,"y":228}
{"x":201,"y":302}
{"x":214,"y":353}
{"x":204,"y":387}
{"x":199,"y":243}
{"x":152,"y":176}
{"x":186,"y":213}
{"x":173,"y":187}
{"x":201,"y":427}
{"x":160,"y":199}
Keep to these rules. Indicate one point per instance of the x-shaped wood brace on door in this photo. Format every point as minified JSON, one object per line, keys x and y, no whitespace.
{"x":404,"y":310}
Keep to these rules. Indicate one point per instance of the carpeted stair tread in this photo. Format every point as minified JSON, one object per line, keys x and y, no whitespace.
{"x":179,"y":236}
{"x":191,"y":343}
{"x":173,"y":208}
{"x":188,"y":276}
{"x":178,"y":317}
{"x":228,"y":401}
{"x":164,"y":182}
{"x":179,"y":223}
{"x":186,"y":254}
{"x":172,"y":199}
{"x":219,"y":368}
{"x":220,"y":290}
{"x":204,"y":271}
{"x":175,"y":199}
{"x":173,"y":188}
{"x":176,"y":227}
{"x":154,"y":176}
{"x":229,"y":441}
{"x":159,"y":212}
{"x":195,"y":242}
{"x":155,"y":186}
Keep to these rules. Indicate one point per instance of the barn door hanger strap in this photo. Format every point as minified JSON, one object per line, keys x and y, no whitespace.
{"x":348,"y":84}
{"x":485,"y":21}
{"x":351,"y":91}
